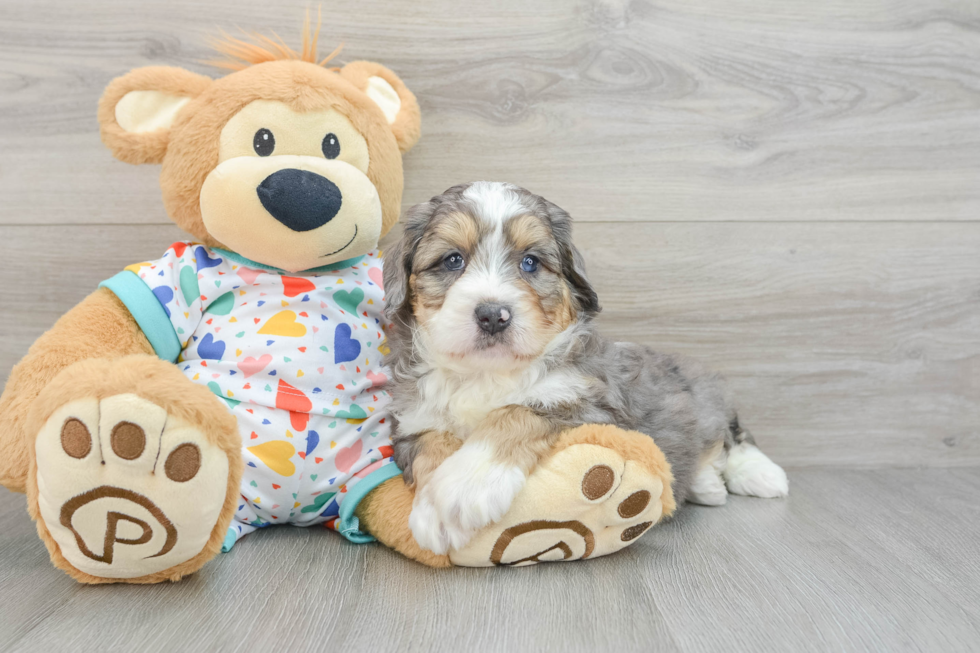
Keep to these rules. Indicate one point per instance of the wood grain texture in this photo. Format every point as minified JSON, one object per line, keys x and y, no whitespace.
{"x":636,"y":110}
{"x":846,"y":343}
{"x":879,"y":560}
{"x":786,"y":190}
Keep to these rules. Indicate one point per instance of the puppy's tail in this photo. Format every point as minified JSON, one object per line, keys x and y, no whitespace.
{"x":737,"y":435}
{"x":747,"y":470}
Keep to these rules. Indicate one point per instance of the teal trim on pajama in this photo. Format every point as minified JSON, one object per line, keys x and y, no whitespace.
{"x":347,"y":524}
{"x":241,"y":260}
{"x":148,"y":313}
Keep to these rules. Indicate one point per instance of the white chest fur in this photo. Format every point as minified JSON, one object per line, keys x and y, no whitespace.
{"x":458,"y":403}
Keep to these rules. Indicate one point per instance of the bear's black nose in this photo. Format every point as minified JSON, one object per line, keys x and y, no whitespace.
{"x":300,"y":199}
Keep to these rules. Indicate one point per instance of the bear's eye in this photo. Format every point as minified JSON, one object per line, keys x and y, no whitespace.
{"x":331,"y":146}
{"x":264,"y":142}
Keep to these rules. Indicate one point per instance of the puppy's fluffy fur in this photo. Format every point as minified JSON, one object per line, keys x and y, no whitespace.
{"x":476,"y":404}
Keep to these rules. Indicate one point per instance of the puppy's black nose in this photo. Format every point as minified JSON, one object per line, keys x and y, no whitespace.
{"x":493,"y":318}
{"x":300,"y":199}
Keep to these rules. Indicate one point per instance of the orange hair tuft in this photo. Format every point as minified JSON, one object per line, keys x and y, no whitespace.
{"x":244,"y":53}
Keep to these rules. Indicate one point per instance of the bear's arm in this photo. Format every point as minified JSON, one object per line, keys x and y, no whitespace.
{"x":100,"y":326}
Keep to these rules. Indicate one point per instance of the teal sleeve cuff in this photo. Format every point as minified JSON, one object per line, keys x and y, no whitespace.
{"x":148,"y":313}
{"x":347,"y":524}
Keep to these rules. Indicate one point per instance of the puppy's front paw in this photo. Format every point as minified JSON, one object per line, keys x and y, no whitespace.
{"x":471,"y":490}
{"x":424,"y":521}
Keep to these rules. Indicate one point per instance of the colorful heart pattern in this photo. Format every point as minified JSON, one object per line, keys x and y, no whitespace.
{"x":345,"y":348}
{"x":204,"y":259}
{"x":298,"y":359}
{"x":164,"y":294}
{"x":276,"y":455}
{"x":284,"y":324}
{"x":345,"y":457}
{"x":295,"y":286}
{"x":355,"y":415}
{"x":248,"y":275}
{"x":349,"y":301}
{"x":252,"y":365}
{"x":209,"y":348}
{"x":375,"y":275}
{"x":222,"y":305}
{"x":188,"y":284}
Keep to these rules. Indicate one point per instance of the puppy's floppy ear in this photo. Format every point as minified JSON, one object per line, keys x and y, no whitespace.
{"x":400,"y":257}
{"x":137,"y":110}
{"x":397,"y":103}
{"x":572,"y":261}
{"x":397,"y":268}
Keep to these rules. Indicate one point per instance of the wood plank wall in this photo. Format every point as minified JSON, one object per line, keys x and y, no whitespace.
{"x":787,"y":189}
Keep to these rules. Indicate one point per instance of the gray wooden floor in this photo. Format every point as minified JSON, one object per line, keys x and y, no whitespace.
{"x":880,"y":560}
{"x":786,"y":189}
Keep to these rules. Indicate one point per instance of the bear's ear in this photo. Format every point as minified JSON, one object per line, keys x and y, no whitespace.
{"x":397,"y":103}
{"x":137,"y":110}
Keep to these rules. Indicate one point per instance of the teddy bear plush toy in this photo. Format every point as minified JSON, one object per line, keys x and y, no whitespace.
{"x":237,"y":381}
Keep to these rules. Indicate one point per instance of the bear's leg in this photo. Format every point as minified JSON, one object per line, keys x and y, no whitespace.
{"x":384,"y":514}
{"x":135,"y":471}
{"x":597,"y":492}
{"x":99,"y":327}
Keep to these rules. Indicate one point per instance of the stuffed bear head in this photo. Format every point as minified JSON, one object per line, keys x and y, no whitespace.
{"x":286,"y":162}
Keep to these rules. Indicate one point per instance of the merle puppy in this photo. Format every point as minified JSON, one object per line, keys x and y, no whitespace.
{"x":493,"y":345}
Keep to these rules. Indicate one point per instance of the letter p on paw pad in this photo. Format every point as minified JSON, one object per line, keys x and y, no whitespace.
{"x":126,"y":490}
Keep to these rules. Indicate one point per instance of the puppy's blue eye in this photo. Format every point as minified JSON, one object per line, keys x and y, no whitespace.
{"x":530,"y":263}
{"x":454,"y":262}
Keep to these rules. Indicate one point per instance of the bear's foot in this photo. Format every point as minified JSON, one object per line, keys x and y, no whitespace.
{"x":599,"y":491}
{"x":129,"y":491}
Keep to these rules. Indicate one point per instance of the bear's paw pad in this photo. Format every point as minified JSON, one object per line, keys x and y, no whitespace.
{"x":125,"y":489}
{"x":584,"y":502}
